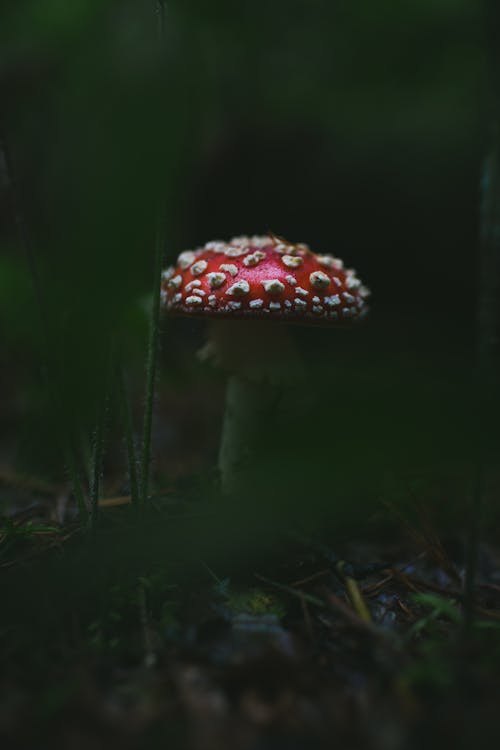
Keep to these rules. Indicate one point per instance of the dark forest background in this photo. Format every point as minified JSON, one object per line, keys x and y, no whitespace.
{"x":359,"y":128}
{"x":368,"y":130}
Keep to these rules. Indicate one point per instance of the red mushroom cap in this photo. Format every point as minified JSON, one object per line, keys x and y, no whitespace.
{"x":257,"y":277}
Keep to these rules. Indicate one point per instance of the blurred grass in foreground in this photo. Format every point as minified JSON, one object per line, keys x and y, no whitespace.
{"x":358,"y":129}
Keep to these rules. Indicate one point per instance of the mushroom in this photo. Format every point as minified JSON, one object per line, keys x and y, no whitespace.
{"x":248,"y":288}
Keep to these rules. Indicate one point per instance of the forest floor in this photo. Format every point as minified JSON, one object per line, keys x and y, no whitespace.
{"x":298,"y":648}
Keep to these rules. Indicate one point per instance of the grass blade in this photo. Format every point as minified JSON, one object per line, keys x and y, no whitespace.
{"x":152,"y":358}
{"x":128,"y":428}
{"x":154,"y":328}
{"x":62,"y":430}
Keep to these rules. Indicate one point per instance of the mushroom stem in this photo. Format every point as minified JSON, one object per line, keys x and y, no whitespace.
{"x":249,"y":407}
{"x":262,"y":362}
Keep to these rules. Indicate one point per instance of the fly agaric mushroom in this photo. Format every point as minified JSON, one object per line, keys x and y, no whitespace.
{"x":261,"y":282}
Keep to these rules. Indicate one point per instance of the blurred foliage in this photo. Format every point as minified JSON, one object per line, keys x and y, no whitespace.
{"x":358,"y":127}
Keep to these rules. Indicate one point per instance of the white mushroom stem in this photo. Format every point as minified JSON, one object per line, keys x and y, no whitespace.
{"x":261,"y":360}
{"x":249,"y":407}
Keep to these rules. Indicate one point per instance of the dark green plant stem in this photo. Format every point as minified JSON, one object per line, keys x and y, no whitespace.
{"x":152,"y":358}
{"x":128,"y":428}
{"x":488,"y":309}
{"x":154,"y":327}
{"x":160,"y":9}
{"x":74,"y":475}
{"x":57,"y":410}
{"x":96,"y":463}
{"x":99,"y":440}
{"x":96,"y":466}
{"x":85,"y":447}
{"x":485,"y":376}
